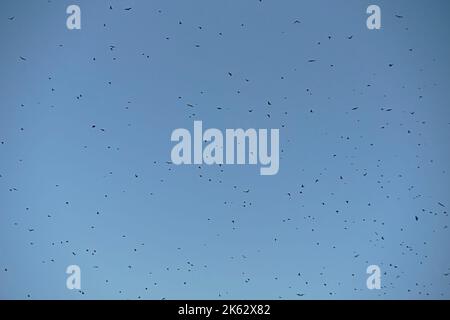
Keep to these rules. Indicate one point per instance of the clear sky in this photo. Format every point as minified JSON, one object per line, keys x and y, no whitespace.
{"x":85,"y":174}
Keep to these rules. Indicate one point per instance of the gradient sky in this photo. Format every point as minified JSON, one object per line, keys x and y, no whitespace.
{"x":85,"y":173}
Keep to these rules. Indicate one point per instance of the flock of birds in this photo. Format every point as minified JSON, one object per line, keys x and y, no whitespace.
{"x":319,"y":199}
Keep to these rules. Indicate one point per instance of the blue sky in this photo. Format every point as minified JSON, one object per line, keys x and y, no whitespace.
{"x":85,"y":125}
